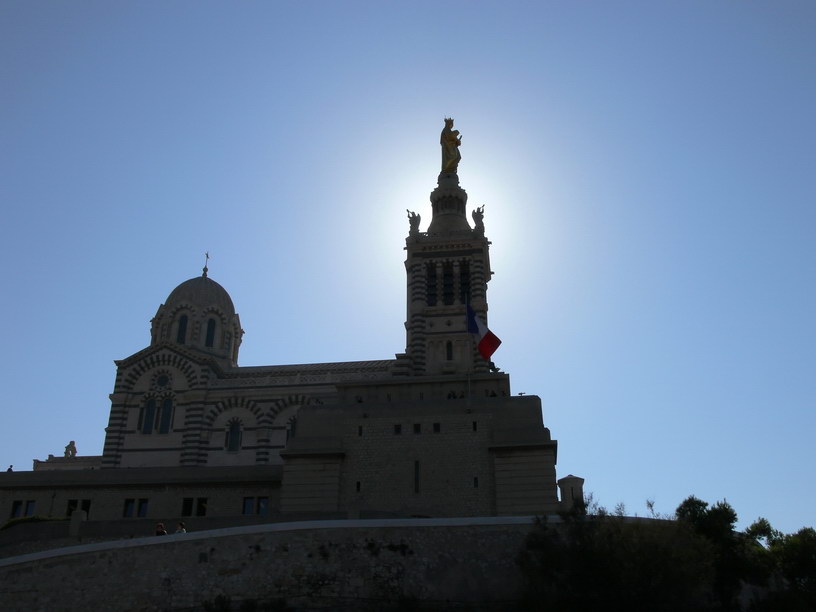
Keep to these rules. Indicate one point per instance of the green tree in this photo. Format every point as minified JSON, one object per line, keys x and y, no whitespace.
{"x":736,"y":558}
{"x":796,"y":555}
{"x":613,"y":563}
{"x":596,"y":560}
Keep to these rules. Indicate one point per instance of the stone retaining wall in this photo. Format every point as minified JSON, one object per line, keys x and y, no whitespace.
{"x":337,"y":565}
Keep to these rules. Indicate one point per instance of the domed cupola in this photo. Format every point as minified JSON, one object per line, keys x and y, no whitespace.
{"x":199,"y":313}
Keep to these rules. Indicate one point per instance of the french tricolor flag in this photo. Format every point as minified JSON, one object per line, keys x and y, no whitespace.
{"x":486,"y":340}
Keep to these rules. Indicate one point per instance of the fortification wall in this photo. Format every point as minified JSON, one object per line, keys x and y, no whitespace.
{"x":337,"y":565}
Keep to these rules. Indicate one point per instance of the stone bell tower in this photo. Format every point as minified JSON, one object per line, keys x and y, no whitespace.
{"x":448,"y":267}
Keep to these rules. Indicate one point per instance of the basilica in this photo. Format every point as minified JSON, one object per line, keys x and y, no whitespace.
{"x":434,"y":432}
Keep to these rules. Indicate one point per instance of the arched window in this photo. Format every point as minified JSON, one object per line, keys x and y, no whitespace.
{"x":210,"y":340}
{"x":447,"y":283}
{"x":291,"y":428}
{"x":232,"y":439}
{"x":464,"y":282}
{"x":430,"y":283}
{"x":164,"y":420}
{"x":146,"y":416}
{"x":181,"y":335}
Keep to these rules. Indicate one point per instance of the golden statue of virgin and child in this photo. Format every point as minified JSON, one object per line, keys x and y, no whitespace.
{"x":450,"y":141}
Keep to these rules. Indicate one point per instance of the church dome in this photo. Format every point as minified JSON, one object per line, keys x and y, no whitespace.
{"x":199,"y":313}
{"x":202,"y":292}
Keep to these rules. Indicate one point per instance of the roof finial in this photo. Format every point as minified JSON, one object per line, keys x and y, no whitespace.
{"x":206,"y":259}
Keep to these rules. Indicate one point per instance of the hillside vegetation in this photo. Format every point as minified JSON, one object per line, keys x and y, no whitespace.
{"x":695,"y":560}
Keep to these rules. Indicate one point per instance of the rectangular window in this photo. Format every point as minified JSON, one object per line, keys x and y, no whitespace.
{"x":437,"y":427}
{"x":141,"y":511}
{"x":17,"y":508}
{"x":127,"y":509}
{"x":416,"y":476}
{"x":29,"y":507}
{"x":256,"y":505}
{"x":187,"y":506}
{"x":73,"y":504}
{"x":86,"y":506}
{"x":397,"y":429}
{"x":201,"y":506}
{"x":358,"y":486}
{"x":474,"y":426}
{"x":417,"y":428}
{"x":359,"y":430}
{"x":475,"y":482}
{"x":263,"y":506}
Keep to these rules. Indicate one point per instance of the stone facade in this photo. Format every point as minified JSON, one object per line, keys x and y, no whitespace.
{"x":433,"y":432}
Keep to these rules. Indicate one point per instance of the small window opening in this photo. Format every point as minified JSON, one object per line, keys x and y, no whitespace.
{"x":437,"y":427}
{"x":210,"y":339}
{"x":475,"y":482}
{"x":430,"y":284}
{"x":181,"y":335}
{"x":291,"y":428}
{"x":128,"y":508}
{"x":397,"y":429}
{"x":187,"y":506}
{"x":201,"y":506}
{"x":417,"y":428}
{"x":464,"y":282}
{"x":358,"y":486}
{"x":475,"y":426}
{"x":256,"y":505}
{"x":359,"y":430}
{"x":141,"y":510}
{"x":449,"y":350}
{"x":416,"y":476}
{"x":447,"y":283}
{"x":232,"y":438}
{"x":165,"y":420}
{"x":146,"y":417}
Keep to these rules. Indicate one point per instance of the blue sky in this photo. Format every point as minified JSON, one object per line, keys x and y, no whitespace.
{"x":648,"y":176}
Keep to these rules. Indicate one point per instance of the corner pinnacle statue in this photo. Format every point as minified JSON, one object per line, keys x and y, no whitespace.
{"x":450,"y":141}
